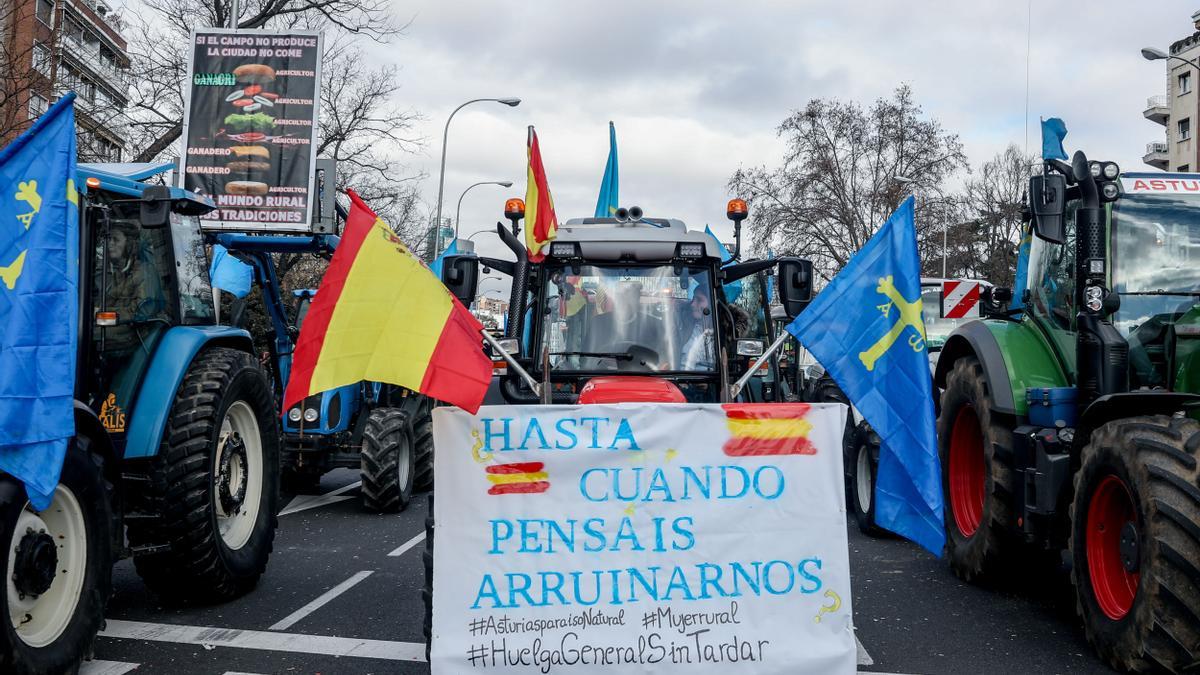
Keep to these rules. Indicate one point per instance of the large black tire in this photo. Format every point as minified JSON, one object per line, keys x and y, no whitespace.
{"x":205,"y":543}
{"x":387,"y":461}
{"x":1145,"y":619}
{"x":973,"y":442}
{"x":427,"y":589}
{"x":61,"y":622}
{"x":423,"y":447}
{"x":862,"y":465}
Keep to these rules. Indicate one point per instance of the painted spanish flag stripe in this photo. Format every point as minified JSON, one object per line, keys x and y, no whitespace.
{"x":771,"y":429}
{"x":380,"y":315}
{"x":519,"y":489}
{"x":515,"y":467}
{"x":508,"y":479}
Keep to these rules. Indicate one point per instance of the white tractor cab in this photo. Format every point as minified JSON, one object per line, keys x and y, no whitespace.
{"x":635,"y":308}
{"x":946,"y":304}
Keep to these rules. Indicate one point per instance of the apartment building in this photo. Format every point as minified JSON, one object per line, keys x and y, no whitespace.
{"x":1178,"y":110}
{"x":51,"y":47}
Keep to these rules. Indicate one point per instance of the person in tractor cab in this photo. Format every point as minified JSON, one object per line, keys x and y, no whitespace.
{"x":696,"y":348}
{"x":131,"y":286}
{"x":627,"y":326}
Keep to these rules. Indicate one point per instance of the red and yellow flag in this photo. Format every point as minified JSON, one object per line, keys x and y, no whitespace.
{"x":767,"y":429}
{"x":380,"y":315}
{"x":541,"y":225}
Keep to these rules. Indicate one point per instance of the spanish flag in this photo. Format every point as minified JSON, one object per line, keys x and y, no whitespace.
{"x":541,"y":225}
{"x":767,"y":429}
{"x":382,"y":316}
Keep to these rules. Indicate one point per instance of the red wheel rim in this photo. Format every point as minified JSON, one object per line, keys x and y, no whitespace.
{"x":967,"y":471}
{"x":1110,"y":510}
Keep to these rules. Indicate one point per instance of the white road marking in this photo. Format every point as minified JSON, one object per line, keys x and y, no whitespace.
{"x":106,"y":667}
{"x":407,"y":545}
{"x":322,"y":600}
{"x":258,"y":639}
{"x":864,"y":659}
{"x":303,"y":503}
{"x":238,"y":672}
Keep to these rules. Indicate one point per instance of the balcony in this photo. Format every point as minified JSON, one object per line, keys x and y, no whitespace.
{"x":1157,"y":110}
{"x":89,"y":58}
{"x":1156,"y":156}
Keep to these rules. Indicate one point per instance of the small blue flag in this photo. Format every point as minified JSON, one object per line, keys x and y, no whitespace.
{"x":733,"y":290}
{"x":606,"y":205}
{"x":770,"y":280}
{"x":866,"y":328}
{"x":436,"y":265}
{"x":1054,"y":130}
{"x":1022,"y":267}
{"x":230,"y":274}
{"x":39,"y":300}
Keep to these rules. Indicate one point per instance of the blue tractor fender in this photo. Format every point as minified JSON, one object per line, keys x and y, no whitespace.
{"x":171,"y":360}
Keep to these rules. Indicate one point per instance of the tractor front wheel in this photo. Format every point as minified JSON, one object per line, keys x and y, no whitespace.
{"x":1135,"y":543}
{"x":213,"y":489}
{"x":387,"y":461}
{"x":862,"y":463}
{"x":975,"y":481}
{"x":58,"y":566}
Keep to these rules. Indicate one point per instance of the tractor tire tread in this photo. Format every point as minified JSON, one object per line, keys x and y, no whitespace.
{"x":386,"y":433}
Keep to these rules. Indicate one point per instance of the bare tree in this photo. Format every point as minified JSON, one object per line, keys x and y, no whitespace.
{"x":984,"y":244}
{"x":22,"y":69}
{"x":846,"y":169}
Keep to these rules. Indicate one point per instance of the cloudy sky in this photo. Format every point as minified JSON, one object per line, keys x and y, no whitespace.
{"x":697,"y":88}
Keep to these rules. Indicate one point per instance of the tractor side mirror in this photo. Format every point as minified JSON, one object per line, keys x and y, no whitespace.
{"x":460,"y":274}
{"x":1047,"y":201}
{"x":795,"y":285}
{"x":155,"y":206}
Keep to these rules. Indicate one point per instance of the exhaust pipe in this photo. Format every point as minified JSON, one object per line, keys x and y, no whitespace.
{"x":635,"y":213}
{"x":622,"y":215}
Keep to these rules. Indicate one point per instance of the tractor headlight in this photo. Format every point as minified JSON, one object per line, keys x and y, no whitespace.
{"x":691,"y":250}
{"x":1096,"y":168}
{"x":1110,"y":191}
{"x":294,"y":414}
{"x":311,"y":415}
{"x":1111,"y":170}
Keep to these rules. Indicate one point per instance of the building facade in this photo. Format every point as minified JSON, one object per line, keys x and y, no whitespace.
{"x":1178,"y":110}
{"x":51,"y":47}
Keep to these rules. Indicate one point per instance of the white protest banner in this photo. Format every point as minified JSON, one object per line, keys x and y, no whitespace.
{"x":641,"y":538}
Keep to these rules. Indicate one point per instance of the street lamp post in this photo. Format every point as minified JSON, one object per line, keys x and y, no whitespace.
{"x":906,"y":181}
{"x":510,"y":102}
{"x":458,"y":211}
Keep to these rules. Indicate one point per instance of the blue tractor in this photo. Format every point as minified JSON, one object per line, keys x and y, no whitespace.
{"x":383,"y":430}
{"x":175,"y":460}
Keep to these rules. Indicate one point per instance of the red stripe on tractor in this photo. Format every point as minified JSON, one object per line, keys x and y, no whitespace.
{"x":519,"y":488}
{"x":757,"y":447}
{"x":304,"y":362}
{"x":515,"y":467}
{"x":766,"y":411}
{"x":458,"y":371}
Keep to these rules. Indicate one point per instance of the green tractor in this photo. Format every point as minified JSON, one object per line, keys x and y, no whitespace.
{"x":1069,"y":426}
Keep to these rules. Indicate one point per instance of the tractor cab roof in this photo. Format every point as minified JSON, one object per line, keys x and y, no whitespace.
{"x":129,"y":179}
{"x":644,"y":241}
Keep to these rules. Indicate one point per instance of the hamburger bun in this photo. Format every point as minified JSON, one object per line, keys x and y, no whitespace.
{"x":251,"y":151}
{"x":248,"y":165}
{"x":245,"y":187}
{"x":254,"y":73}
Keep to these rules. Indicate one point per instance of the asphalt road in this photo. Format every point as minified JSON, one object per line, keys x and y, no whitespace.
{"x":342,"y":595}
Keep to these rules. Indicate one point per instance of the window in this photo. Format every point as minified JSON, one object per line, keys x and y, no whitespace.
{"x":41,"y":58}
{"x":1185,"y":129}
{"x":1185,"y":84}
{"x":37,"y":105}
{"x":45,"y":11}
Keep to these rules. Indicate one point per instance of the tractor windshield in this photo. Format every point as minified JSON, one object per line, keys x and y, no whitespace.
{"x":1156,"y":271}
{"x":629,"y":319}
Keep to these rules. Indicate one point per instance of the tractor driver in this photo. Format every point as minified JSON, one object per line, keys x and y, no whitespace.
{"x":132,"y":287}
{"x":696,"y":352}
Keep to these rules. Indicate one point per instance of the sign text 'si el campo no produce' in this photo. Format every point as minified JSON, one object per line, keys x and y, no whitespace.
{"x":251,"y":127}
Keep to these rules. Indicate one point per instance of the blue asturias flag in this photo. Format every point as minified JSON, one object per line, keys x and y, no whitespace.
{"x":39,"y":300}
{"x":1054,"y":130}
{"x":230,"y":274}
{"x":866,"y":328}
{"x":607,"y":202}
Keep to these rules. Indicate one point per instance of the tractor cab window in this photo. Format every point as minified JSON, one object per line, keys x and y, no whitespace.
{"x":1052,"y":277}
{"x":629,"y":319}
{"x":1156,"y":271}
{"x":195,"y":293}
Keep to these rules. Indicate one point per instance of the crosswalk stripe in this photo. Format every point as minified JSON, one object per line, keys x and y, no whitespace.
{"x":313,"y":501}
{"x":864,"y":659}
{"x":106,"y":667}
{"x":265,"y":640}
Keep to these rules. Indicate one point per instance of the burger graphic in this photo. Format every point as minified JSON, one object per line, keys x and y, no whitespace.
{"x":250,"y":124}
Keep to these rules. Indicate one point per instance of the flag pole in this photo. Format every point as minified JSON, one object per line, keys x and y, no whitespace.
{"x":737,"y":386}
{"x":512,"y":361}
